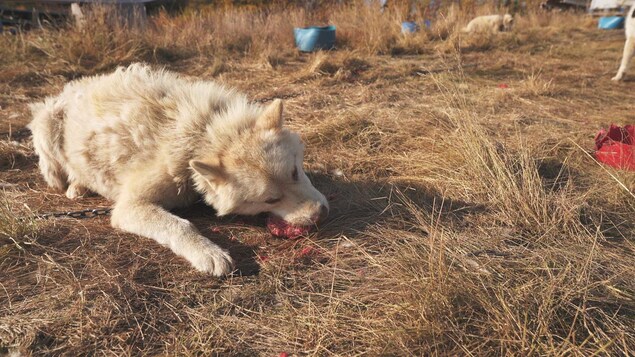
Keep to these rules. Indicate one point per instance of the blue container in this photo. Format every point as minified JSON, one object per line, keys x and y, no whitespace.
{"x":409,"y":27}
{"x":309,"y":39}
{"x":611,"y":22}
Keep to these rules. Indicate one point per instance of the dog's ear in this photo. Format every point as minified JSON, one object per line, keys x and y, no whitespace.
{"x":211,"y":169}
{"x":272,"y":116}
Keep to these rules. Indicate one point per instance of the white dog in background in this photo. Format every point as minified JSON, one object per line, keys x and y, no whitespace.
{"x":629,"y":45}
{"x":151,"y":141}
{"x":490,"y":23}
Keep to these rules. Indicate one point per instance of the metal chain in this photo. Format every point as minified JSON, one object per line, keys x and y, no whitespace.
{"x":81,"y":214}
{"x":285,"y":96}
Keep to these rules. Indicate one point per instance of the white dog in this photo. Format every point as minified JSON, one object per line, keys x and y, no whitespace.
{"x":629,"y":45}
{"x":151,"y":141}
{"x":490,"y":23}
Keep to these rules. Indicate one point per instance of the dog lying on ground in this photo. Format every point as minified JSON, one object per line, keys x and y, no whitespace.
{"x":151,"y":141}
{"x":489,"y":23}
{"x":629,"y":45}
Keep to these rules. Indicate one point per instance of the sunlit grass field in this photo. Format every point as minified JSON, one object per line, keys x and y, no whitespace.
{"x":468,"y":216}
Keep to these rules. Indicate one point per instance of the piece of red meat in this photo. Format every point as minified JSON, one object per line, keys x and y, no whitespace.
{"x":280,"y":228}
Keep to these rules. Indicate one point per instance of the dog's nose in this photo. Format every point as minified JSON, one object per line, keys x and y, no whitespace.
{"x":324,"y":212}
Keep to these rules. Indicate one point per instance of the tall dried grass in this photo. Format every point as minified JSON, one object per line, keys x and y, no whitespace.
{"x":246,"y":32}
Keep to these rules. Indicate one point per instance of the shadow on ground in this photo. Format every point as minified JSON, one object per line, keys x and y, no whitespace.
{"x":355,"y":205}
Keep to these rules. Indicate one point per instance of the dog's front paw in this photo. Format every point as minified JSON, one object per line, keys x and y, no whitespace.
{"x":618,"y":77}
{"x":76,"y":190}
{"x":211,"y":259}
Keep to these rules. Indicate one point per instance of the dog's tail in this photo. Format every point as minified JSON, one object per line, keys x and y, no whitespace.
{"x":47,"y":128}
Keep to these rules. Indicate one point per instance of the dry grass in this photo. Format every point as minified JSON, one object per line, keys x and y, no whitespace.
{"x":466,"y":218}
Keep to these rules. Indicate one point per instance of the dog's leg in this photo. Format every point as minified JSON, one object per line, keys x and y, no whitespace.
{"x":180,"y":235}
{"x":75,"y":190}
{"x":47,"y":134}
{"x":52,"y":172}
{"x":629,"y":47}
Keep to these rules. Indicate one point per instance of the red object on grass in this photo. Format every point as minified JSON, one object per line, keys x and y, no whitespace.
{"x":615,"y":147}
{"x":503,"y":86}
{"x":306,"y":251}
{"x":283,"y":354}
{"x":279,"y":228}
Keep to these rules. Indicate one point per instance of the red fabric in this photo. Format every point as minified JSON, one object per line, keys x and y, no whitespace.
{"x":615,"y":147}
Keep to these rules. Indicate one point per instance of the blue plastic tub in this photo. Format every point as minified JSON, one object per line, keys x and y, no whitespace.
{"x":611,"y":22}
{"x":309,"y":39}
{"x":409,"y":27}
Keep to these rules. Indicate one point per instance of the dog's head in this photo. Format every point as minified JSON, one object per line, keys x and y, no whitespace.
{"x":508,"y":21}
{"x":257,"y":167}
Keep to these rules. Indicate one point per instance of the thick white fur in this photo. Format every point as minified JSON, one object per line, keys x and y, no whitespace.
{"x":151,"y":140}
{"x":490,"y":23}
{"x":629,"y":45}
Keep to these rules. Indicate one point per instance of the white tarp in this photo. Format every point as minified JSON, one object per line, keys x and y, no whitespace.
{"x":610,"y":4}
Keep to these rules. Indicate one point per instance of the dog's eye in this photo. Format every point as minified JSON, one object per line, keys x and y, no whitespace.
{"x":294,"y":175}
{"x":273,"y":200}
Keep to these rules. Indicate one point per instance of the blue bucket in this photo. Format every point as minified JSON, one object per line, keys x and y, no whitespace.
{"x":409,"y":27}
{"x":309,"y":39}
{"x":611,"y":23}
